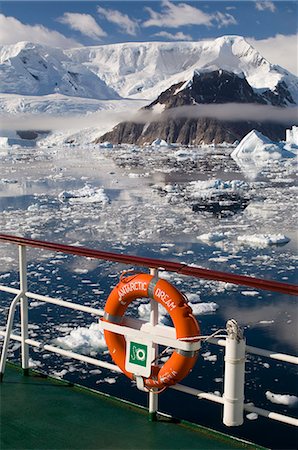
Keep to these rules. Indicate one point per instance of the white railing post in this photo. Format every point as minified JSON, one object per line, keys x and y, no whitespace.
{"x":153,"y":398}
{"x":234,"y":376}
{"x":7,"y":334}
{"x":24,"y":308}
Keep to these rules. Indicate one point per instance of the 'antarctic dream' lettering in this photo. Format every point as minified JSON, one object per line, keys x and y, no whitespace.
{"x":131,"y":287}
{"x":142,"y":286}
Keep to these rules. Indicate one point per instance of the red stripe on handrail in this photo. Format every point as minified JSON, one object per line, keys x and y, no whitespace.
{"x":171,"y":266}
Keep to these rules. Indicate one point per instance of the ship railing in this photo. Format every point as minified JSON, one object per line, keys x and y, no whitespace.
{"x":234,"y":343}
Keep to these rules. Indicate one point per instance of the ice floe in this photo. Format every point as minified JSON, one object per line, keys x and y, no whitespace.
{"x":109,"y":380}
{"x":144,"y":312}
{"x":159,"y":143}
{"x":199,"y":309}
{"x":252,"y":416}
{"x":86,"y":194}
{"x":106,"y":145}
{"x":208,"y":357}
{"x":34,"y":363}
{"x":215,"y":236}
{"x":216,"y":196}
{"x":85,"y":340}
{"x":263,"y":240}
{"x":282,"y":399}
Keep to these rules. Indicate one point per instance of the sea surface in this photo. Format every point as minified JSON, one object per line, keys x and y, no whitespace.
{"x":192,"y":205}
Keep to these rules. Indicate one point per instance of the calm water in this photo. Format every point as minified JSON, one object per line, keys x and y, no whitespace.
{"x":140,"y":221}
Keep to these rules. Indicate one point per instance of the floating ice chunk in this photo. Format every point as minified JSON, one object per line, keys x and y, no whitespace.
{"x":250,"y":293}
{"x":263,"y":240}
{"x":212,"y":237}
{"x":145,"y":308}
{"x":193,"y":298}
{"x":106,"y":145}
{"x":252,"y":416}
{"x":159,"y":143}
{"x":109,"y":380}
{"x":208,"y":357}
{"x":199,"y":187}
{"x":59,"y":374}
{"x":256,"y":146}
{"x":85,"y":340}
{"x":95,"y":371}
{"x":292,"y":136}
{"x":138,"y":175}
{"x":87,"y":194}
{"x":33,"y":363}
{"x":33,"y":207}
{"x":282,"y":399}
{"x":199,"y":309}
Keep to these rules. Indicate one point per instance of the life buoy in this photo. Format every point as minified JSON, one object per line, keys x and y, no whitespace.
{"x":147,"y":286}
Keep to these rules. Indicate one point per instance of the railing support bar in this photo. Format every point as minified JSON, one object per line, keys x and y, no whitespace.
{"x":234,"y":376}
{"x":8,"y":334}
{"x":24,"y":308}
{"x":153,"y":398}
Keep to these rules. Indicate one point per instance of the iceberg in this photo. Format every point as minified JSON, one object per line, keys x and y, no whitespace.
{"x":258,"y":147}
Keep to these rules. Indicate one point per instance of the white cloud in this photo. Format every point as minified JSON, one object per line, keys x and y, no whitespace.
{"x":279,"y":49}
{"x":224,"y":20}
{"x":84,"y":23}
{"x":13,"y":31}
{"x":263,"y":6}
{"x":176,"y":15}
{"x":129,"y":26}
{"x":174,"y":37}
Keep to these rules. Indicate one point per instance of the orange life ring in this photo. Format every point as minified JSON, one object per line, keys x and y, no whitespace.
{"x":144,"y":285}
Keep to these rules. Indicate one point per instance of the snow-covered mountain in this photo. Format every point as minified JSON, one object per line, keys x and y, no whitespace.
{"x":39,"y":80}
{"x":32,"y":69}
{"x":144,"y":70}
{"x":182,"y":114}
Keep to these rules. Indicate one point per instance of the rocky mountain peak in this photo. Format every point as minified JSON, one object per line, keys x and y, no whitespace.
{"x":206,"y":87}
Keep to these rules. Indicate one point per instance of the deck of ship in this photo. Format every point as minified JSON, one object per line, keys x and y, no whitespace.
{"x":43,"y":413}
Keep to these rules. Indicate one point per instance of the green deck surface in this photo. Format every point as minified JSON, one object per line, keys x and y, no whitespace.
{"x":42,"y":413}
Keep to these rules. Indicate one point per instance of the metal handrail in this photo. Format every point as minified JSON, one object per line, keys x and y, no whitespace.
{"x":171,"y":266}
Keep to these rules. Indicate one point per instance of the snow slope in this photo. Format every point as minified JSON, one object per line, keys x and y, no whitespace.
{"x":33,"y":69}
{"x":61,"y":105}
{"x":145,"y":69}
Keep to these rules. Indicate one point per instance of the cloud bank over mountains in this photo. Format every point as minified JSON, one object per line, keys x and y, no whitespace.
{"x":13,"y":31}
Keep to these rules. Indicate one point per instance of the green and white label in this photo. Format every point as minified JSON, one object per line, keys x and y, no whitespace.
{"x":138,"y":357}
{"x":138,"y":353}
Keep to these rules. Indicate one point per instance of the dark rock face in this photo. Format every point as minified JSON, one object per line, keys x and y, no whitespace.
{"x":30,"y":134}
{"x":210,"y":87}
{"x":218,"y":87}
{"x":279,"y":96}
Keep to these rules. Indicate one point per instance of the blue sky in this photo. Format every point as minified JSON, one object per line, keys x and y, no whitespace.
{"x":273,"y":24}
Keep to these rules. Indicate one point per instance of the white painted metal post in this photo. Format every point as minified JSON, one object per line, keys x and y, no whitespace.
{"x":7,"y":334}
{"x":234,"y":376}
{"x":24,"y":308}
{"x":153,"y":398}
